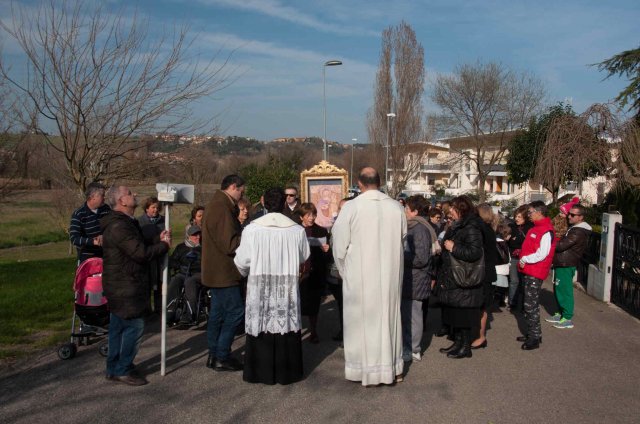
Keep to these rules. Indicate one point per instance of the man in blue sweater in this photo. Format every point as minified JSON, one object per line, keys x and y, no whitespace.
{"x":84,"y":231}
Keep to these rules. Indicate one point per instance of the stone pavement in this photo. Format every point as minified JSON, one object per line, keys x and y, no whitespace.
{"x":589,"y":374}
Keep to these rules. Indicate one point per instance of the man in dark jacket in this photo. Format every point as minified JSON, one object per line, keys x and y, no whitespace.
{"x":125,"y":282}
{"x":569,"y":250}
{"x":220,"y":239}
{"x":291,"y":204}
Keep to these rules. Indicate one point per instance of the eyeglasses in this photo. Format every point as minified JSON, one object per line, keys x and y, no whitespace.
{"x":290,"y":195}
{"x":575,"y":214}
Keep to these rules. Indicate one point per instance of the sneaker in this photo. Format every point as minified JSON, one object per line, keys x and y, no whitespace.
{"x":564,"y":323}
{"x":416,"y":356}
{"x":556,"y":318}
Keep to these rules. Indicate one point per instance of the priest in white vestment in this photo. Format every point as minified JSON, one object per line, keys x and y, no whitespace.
{"x":270,"y":253}
{"x":368,"y":248}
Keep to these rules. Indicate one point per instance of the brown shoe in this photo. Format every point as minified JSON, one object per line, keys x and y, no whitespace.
{"x":131,"y":380}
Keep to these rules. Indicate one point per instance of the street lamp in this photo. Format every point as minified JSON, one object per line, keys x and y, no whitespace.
{"x":324,"y":104}
{"x":386,"y":163}
{"x":352,"y":146}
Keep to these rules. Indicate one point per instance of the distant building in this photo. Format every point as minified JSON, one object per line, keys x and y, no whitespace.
{"x":444,"y":165}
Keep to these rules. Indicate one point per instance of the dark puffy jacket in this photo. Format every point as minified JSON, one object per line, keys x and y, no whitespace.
{"x":572,"y":246}
{"x":416,"y":280}
{"x":185,"y":259}
{"x":467,"y":237}
{"x":518,"y":234}
{"x":126,"y":257}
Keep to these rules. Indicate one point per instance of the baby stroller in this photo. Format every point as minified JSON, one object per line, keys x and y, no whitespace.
{"x":90,"y":308}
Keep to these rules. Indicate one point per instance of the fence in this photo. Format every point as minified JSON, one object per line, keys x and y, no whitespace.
{"x":625,"y":284}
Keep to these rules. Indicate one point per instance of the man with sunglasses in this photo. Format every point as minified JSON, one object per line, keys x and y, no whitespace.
{"x":291,"y":204}
{"x":569,"y":250}
{"x":535,"y":262}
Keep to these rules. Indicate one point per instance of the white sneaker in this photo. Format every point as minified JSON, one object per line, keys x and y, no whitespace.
{"x":416,"y":356}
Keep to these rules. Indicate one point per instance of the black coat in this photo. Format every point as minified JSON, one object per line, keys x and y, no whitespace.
{"x":490,"y":254}
{"x":126,"y":257}
{"x":518,"y":234}
{"x":185,"y":259}
{"x":315,"y":268}
{"x":468,"y":246}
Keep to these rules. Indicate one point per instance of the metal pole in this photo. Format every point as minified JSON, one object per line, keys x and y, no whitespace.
{"x":165,"y":278}
{"x":351,"y":171}
{"x":324,"y":115}
{"x":386,"y":161}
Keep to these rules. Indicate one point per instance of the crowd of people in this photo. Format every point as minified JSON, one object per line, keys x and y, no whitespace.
{"x":381,"y":259}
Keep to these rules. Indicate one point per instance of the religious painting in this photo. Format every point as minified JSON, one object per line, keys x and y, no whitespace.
{"x":324,"y":185}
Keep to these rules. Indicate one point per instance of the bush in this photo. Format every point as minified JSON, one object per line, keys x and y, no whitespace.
{"x":275,"y":173}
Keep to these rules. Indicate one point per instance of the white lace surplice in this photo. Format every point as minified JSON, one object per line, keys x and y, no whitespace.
{"x":270,"y":253}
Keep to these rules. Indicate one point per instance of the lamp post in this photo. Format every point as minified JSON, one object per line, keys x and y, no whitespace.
{"x":352,"y":146}
{"x":386,"y":163}
{"x":324,"y":104}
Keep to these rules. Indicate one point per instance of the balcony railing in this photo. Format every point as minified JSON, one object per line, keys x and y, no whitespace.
{"x":435,"y":167}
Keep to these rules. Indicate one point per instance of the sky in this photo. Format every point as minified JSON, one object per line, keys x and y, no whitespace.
{"x":277,"y":50}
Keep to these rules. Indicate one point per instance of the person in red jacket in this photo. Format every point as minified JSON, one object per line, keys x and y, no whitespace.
{"x":536,"y":257}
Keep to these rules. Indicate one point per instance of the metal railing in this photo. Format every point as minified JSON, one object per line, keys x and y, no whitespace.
{"x":625,"y":282}
{"x":436,"y":167}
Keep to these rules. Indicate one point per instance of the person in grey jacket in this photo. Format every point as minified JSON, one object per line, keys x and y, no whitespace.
{"x":569,"y":250}
{"x":416,"y":281}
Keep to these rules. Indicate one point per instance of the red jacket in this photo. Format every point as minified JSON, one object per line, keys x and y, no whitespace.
{"x":532,"y":243}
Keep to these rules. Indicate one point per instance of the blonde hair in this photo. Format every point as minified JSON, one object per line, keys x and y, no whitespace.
{"x":485,"y":211}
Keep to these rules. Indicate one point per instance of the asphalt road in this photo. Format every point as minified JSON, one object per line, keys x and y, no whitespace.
{"x":589,"y":374}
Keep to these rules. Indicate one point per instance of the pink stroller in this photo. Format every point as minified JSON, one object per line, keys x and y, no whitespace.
{"x":90,"y":308}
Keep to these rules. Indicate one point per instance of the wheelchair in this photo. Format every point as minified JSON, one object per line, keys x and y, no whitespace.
{"x":179,"y":308}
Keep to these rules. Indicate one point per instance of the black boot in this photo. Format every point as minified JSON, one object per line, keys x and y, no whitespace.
{"x":465,"y":346}
{"x":443,"y":331}
{"x":211,"y":361}
{"x":457,"y":343}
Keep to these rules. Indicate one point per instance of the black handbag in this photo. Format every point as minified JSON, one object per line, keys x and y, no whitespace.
{"x":467,"y":274}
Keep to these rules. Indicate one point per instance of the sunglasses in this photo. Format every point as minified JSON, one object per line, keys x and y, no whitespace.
{"x":290,"y":195}
{"x":575,"y":214}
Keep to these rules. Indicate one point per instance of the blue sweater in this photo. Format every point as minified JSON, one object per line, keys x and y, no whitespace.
{"x":84,"y":227}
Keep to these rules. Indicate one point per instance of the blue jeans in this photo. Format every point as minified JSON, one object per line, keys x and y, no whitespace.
{"x":125,"y":336}
{"x":227,"y":310}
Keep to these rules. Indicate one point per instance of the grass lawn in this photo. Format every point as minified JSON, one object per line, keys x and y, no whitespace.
{"x":36,"y":303}
{"x":37,"y":269}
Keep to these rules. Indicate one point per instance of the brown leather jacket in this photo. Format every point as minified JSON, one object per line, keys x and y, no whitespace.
{"x":220,"y":239}
{"x":572,"y":246}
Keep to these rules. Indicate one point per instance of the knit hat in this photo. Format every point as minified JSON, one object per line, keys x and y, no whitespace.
{"x":567,"y":206}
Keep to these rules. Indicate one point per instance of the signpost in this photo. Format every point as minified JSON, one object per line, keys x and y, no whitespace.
{"x":169,"y":193}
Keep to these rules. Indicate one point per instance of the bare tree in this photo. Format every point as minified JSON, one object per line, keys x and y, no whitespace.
{"x":399,"y":88}
{"x":576,"y":148}
{"x":102,"y":82}
{"x":481,"y":99}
